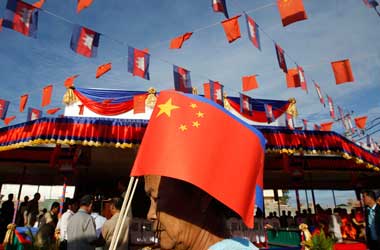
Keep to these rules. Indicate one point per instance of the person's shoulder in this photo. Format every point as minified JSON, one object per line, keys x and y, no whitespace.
{"x":236,"y":243}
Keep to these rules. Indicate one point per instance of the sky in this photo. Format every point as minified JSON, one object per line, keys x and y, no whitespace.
{"x":334,"y":30}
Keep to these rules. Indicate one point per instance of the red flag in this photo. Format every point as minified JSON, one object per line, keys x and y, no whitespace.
{"x":46,"y":95}
{"x":102,"y":69}
{"x":317,"y":127}
{"x":69,"y":82}
{"x":245,"y":104}
{"x":81,"y":109}
{"x":23,"y":101}
{"x":82,"y":4}
{"x":214,"y":91}
{"x":194,"y":126}
{"x":281,"y":58}
{"x":291,"y":11}
{"x":249,"y":83}
{"x":1,"y":24}
{"x":220,"y":6}
{"x":293,"y":78}
{"x":52,"y":111}
{"x":39,"y":4}
{"x":139,"y":104}
{"x":360,"y":122}
{"x":253,"y":31}
{"x":301,"y":75}
{"x":331,"y":107}
{"x":231,"y":28}
{"x":9,"y":120}
{"x":4,"y":104}
{"x":177,"y":42}
{"x":318,"y":89}
{"x":138,"y":62}
{"x":342,"y":71}
{"x":326,"y":126}
{"x":269,"y":112}
{"x":33,"y":114}
{"x":289,"y":121}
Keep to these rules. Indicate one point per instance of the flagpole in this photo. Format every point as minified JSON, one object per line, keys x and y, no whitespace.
{"x":119,"y":220}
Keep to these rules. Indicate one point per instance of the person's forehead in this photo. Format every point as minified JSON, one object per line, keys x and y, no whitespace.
{"x":152,"y":183}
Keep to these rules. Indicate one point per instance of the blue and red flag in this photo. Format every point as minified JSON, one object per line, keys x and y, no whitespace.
{"x":253,"y":31}
{"x":33,"y":114}
{"x":214,"y":91}
{"x":371,"y":3}
{"x":289,"y":121}
{"x":269,"y":112}
{"x":331,"y":107}
{"x":319,"y":93}
{"x":281,"y":58}
{"x":4,"y":104}
{"x":21,"y":17}
{"x":182,"y":81}
{"x":245,"y":104}
{"x":304,"y":121}
{"x":85,"y":41}
{"x":138,"y":62}
{"x":220,"y":6}
{"x":301,"y":75}
{"x":259,"y":192}
{"x":186,"y":120}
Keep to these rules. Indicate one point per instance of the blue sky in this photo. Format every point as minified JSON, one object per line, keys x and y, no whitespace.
{"x":334,"y":30}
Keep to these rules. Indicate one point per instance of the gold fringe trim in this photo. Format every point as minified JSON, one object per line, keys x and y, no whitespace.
{"x":69,"y":97}
{"x":9,"y":235}
{"x":324,"y":152}
{"x":67,"y":142}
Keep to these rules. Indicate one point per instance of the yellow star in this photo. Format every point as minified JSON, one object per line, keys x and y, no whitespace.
{"x":183,"y":127}
{"x":193,"y":105}
{"x":166,"y":108}
{"x":196,"y":124}
{"x":200,"y":114}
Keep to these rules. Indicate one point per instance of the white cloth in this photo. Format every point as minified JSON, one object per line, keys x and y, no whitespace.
{"x":63,"y":222}
{"x":233,"y":244}
{"x":99,"y":222}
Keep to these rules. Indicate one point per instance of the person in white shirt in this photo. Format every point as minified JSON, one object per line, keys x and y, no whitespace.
{"x":98,"y":219}
{"x":72,"y":207}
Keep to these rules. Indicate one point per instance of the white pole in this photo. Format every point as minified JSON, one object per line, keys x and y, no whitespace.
{"x":125,"y":215}
{"x":117,"y":227}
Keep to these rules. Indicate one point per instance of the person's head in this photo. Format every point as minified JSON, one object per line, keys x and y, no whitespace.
{"x":274,"y":214}
{"x":121,"y":185}
{"x":37,"y":196}
{"x":181,"y":212}
{"x":283,"y":212}
{"x":116,"y":204}
{"x":26,"y":198}
{"x":54,"y":208}
{"x":96,"y":207}
{"x":289,"y":213}
{"x":369,"y":198}
{"x":270,"y":214}
{"x":10,"y":197}
{"x":309,"y":210}
{"x":86,"y":202}
{"x":304,"y":212}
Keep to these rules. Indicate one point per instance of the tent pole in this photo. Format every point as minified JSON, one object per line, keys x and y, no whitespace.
{"x":333,"y":194}
{"x":298,"y":201}
{"x":307,"y":199}
{"x":313,"y":197}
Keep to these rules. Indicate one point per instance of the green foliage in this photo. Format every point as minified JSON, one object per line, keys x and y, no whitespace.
{"x":320,"y":242}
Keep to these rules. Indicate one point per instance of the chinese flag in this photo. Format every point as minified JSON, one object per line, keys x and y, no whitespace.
{"x":249,"y":83}
{"x":231,"y":28}
{"x":188,"y":131}
{"x":342,"y":71}
{"x":360,"y":122}
{"x":39,"y":4}
{"x":46,"y":95}
{"x":177,"y":42}
{"x":69,"y":82}
{"x":102,"y":69}
{"x":53,"y":111}
{"x":82,"y":4}
{"x":9,"y":120}
{"x":139,"y":104}
{"x":326,"y":126}
{"x":293,"y":78}
{"x":23,"y":101}
{"x":291,"y":11}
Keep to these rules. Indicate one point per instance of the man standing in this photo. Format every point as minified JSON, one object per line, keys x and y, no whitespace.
{"x":45,"y":236}
{"x":109,"y":226}
{"x":372,"y":219}
{"x":7,"y":210}
{"x":81,"y":234}
{"x":32,"y":211}
{"x":72,"y":207}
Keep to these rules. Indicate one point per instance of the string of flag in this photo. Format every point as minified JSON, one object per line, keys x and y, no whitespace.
{"x":138,"y":60}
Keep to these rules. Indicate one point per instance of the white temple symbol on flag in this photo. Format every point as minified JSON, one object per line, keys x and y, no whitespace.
{"x":246,"y":104}
{"x":300,"y":73}
{"x":215,"y":1}
{"x":25,"y":16}
{"x":140,"y":63}
{"x":218,"y":94}
{"x":34,"y":116}
{"x":88,"y":40}
{"x":251,"y":30}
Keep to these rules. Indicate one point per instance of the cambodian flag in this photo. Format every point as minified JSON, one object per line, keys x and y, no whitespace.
{"x":289,"y":121}
{"x":84,"y":41}
{"x":220,"y":6}
{"x":319,"y":93}
{"x":21,"y":17}
{"x":182,"y":81}
{"x":3,"y":108}
{"x":245,"y":104}
{"x":33,"y":114}
{"x":281,"y":58}
{"x":269,"y":112}
{"x":331,"y":107}
{"x":138,"y":62}
{"x":214,"y":91}
{"x":253,"y":31}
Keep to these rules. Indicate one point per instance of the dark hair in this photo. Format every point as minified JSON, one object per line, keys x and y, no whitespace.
{"x":10,"y":196}
{"x":117,"y":203}
{"x":96,"y":207}
{"x":54,"y":205}
{"x":86,"y":200}
{"x":370,"y":194}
